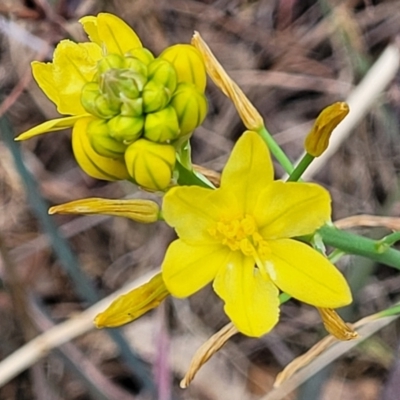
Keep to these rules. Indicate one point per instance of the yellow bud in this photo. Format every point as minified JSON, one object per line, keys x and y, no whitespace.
{"x":317,"y":140}
{"x":102,"y":142}
{"x":188,"y":63}
{"x":134,"y":304}
{"x":150,"y":164}
{"x":155,"y":97}
{"x":142,"y":54}
{"x":248,"y":113}
{"x":125,"y":129}
{"x":162,"y":72}
{"x":191,"y":107}
{"x":161,"y":126}
{"x":144,"y":211}
{"x":90,"y":161}
{"x":95,"y":103}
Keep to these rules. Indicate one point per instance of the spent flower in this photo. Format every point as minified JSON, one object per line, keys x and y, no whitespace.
{"x":317,"y":140}
{"x":117,"y":93}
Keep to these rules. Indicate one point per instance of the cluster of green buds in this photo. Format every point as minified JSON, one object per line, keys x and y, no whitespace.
{"x":144,"y":108}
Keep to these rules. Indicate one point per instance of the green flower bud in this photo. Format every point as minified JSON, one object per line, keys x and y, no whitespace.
{"x":150,"y":164}
{"x":142,"y":54}
{"x":120,"y":84}
{"x":105,"y":108}
{"x":137,"y":71}
{"x":111,"y":61}
{"x":191,"y":107}
{"x":155,"y":97}
{"x":132,"y":108}
{"x":162,"y":72}
{"x":101,"y":140}
{"x":161,"y":126}
{"x":95,"y":103}
{"x":125,"y":129}
{"x":188,"y":64}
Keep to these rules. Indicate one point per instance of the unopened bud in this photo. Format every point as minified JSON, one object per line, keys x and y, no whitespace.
{"x":110,"y":61}
{"x":150,"y":164}
{"x":90,"y":161}
{"x":317,"y":141}
{"x":161,"y":126}
{"x":118,"y":83}
{"x":142,"y":54}
{"x":155,"y":97}
{"x":137,"y":71}
{"x":101,"y":141}
{"x":191,"y":107}
{"x":125,"y":129}
{"x":132,"y":107}
{"x":130,"y":306}
{"x":143,"y":211}
{"x":188,"y":64}
{"x":95,"y":103}
{"x":162,"y":72}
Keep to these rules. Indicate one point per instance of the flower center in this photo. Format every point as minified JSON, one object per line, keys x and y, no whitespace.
{"x":241,"y":234}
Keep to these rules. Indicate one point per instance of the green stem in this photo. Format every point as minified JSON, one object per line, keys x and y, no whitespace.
{"x":300,"y":168}
{"x":284,"y":297}
{"x":355,"y":244}
{"x":393,"y":310}
{"x":336,"y":255}
{"x":276,"y":150}
{"x":387,"y":241}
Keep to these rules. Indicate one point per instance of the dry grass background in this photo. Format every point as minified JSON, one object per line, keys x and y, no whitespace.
{"x":291,"y":58}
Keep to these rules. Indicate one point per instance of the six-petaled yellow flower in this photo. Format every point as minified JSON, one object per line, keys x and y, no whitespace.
{"x":241,"y":237}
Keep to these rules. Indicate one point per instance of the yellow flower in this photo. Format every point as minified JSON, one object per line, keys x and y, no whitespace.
{"x":241,"y":237}
{"x":115,"y":92}
{"x":74,"y":65}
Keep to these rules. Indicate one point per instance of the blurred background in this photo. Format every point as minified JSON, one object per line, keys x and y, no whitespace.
{"x":292,"y":58}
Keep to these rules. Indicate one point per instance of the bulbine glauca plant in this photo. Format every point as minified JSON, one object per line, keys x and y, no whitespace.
{"x":257,"y":240}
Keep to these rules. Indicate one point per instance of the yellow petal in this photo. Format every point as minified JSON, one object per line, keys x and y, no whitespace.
{"x":112,"y":32}
{"x":288,"y":209}
{"x":89,"y":24}
{"x":74,"y":65}
{"x":251,"y":301}
{"x":248,"y":170}
{"x":130,"y":306}
{"x":139,"y":210}
{"x":186,"y":269}
{"x":193,"y":210}
{"x":306,"y":275}
{"x":43,"y":74}
{"x":50,"y":126}
{"x":93,"y":164}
